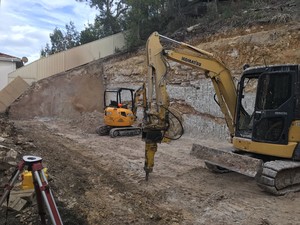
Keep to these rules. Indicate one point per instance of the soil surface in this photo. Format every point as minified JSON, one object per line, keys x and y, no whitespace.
{"x":100,"y":180}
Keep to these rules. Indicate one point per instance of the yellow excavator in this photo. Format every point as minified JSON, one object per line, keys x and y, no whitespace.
{"x":264,"y":124}
{"x":120,"y":108}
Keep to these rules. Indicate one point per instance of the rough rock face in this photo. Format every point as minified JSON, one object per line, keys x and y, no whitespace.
{"x":72,"y":93}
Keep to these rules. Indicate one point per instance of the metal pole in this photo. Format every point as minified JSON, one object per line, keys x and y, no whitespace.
{"x":48,"y":197}
{"x":9,"y":187}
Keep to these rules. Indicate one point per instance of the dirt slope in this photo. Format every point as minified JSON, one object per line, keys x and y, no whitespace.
{"x":64,"y":95}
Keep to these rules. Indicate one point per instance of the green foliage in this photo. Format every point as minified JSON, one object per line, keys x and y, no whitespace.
{"x":227,"y":11}
{"x":62,"y":40}
{"x":45,"y":51}
{"x":142,"y":18}
{"x":109,"y":21}
{"x":71,"y":36}
{"x":91,"y":32}
{"x":165,"y":16}
{"x":139,"y":18}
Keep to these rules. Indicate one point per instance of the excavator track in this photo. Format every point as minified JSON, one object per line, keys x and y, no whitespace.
{"x":103,"y":130}
{"x":279,"y":177}
{"x":125,"y":131}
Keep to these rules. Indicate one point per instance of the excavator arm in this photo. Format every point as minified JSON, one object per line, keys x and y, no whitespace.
{"x":138,"y":94}
{"x":157,"y":113}
{"x":214,"y":69}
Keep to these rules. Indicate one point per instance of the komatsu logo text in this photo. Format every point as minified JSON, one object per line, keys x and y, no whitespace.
{"x":190,"y":61}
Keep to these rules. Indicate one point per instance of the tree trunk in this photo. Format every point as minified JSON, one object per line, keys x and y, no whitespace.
{"x":216,"y":6}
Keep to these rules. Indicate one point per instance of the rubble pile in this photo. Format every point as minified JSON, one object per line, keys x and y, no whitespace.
{"x":8,"y":162}
{"x":13,"y":145}
{"x":9,"y":150}
{"x":88,"y":121}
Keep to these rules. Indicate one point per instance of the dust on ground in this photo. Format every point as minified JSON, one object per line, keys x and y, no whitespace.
{"x":100,"y":180}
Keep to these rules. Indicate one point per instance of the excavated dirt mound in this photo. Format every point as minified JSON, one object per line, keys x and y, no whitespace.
{"x":66,"y":95}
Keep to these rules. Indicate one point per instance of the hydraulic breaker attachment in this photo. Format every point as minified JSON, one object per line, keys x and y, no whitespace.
{"x":151,"y":137}
{"x":228,"y":159}
{"x":150,"y":150}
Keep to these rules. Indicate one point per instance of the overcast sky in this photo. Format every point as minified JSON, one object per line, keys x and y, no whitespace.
{"x":25,"y":25}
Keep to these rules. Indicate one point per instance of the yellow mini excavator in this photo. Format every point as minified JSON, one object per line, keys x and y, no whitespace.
{"x":264,"y":124}
{"x":120,"y":107}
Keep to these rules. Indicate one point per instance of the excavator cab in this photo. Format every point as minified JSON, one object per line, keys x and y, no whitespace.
{"x":119,"y":97}
{"x":119,"y":114}
{"x":266,"y":141}
{"x":266,"y":104}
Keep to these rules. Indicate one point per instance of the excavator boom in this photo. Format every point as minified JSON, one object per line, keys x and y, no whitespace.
{"x":157,"y":110}
{"x":214,"y":69}
{"x":157,"y":113}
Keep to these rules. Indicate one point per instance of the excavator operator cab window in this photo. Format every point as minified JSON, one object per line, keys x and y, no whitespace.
{"x":248,"y":88}
{"x":274,"y":90}
{"x":274,"y":107}
{"x":119,"y":98}
{"x":113,"y":104}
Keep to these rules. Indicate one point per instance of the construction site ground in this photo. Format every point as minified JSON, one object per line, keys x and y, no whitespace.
{"x":100,"y":180}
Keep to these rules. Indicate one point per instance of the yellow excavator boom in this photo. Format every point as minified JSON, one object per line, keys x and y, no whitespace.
{"x":157,"y":96}
{"x":214,"y":69}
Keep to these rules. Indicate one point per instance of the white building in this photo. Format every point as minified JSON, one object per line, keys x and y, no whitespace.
{"x":8,"y":64}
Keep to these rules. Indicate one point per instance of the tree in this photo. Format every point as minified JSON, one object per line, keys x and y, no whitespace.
{"x":57,"y":41}
{"x":111,"y":15}
{"x":72,"y":36}
{"x":139,"y":17}
{"x":62,"y":40}
{"x":45,"y":51}
{"x":91,"y":33}
{"x":144,"y":17}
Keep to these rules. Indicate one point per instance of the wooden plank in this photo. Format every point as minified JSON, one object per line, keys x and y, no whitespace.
{"x":15,"y":203}
{"x":27,"y":195}
{"x":11,"y":92}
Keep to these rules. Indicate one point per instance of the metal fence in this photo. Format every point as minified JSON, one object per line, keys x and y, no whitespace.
{"x":69,"y":59}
